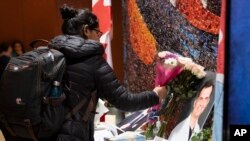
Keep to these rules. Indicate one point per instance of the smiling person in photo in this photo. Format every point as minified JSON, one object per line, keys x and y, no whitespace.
{"x":186,"y":128}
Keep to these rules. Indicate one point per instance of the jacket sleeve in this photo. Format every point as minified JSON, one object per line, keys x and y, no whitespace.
{"x":109,"y":88}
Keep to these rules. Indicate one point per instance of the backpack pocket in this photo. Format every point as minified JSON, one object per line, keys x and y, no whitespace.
{"x":53,"y":116}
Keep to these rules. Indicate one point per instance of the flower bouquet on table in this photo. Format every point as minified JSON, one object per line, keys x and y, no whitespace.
{"x":204,"y":135}
{"x":182,"y":77}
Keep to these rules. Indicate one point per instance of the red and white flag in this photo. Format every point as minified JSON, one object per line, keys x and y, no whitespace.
{"x":102,"y":9}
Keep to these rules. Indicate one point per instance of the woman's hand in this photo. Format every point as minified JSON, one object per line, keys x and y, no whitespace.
{"x":161,"y":91}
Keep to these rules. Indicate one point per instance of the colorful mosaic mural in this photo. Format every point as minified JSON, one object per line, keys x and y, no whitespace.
{"x":171,"y":30}
{"x":150,"y":26}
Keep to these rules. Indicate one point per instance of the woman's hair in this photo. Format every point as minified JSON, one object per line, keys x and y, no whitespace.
{"x":4,"y":47}
{"x":75,"y":20}
{"x":18,"y":42}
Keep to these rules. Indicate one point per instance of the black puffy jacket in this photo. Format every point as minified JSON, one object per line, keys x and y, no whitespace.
{"x":88,"y":70}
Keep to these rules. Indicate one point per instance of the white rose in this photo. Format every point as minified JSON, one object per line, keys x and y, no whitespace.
{"x":201,"y":74}
{"x":184,"y":60}
{"x":163,"y":54}
{"x":189,"y":66}
{"x":195,"y":70}
{"x":200,"y":67}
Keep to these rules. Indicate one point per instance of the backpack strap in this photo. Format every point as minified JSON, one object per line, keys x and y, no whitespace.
{"x":27,"y":124}
{"x":6,"y":125}
{"x":83,"y":102}
{"x":30,"y":129}
{"x":91,"y":106}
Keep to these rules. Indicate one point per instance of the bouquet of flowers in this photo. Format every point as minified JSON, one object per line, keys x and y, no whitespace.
{"x":204,"y":135}
{"x":182,"y":77}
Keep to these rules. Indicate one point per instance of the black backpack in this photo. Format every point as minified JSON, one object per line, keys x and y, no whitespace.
{"x":26,"y":108}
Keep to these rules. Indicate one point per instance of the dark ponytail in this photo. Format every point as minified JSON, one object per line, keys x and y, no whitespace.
{"x":68,"y":12}
{"x":74,"y":20}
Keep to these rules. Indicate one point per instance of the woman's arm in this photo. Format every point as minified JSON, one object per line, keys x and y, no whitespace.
{"x":111,"y":89}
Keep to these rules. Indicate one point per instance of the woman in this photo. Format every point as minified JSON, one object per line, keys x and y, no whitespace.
{"x":5,"y":54}
{"x":18,"y":48}
{"x":88,"y":71}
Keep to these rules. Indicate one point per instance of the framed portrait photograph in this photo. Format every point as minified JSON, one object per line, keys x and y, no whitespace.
{"x":196,"y":111}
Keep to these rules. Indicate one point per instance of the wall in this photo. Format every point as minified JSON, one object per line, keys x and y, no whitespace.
{"x":27,"y":20}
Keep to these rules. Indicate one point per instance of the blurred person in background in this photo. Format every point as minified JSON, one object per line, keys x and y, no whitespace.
{"x":18,"y":48}
{"x":5,"y":54}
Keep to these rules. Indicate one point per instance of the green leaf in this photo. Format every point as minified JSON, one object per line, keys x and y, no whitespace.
{"x":195,"y":138}
{"x":204,"y":135}
{"x":183,"y":96}
{"x":191,"y":93}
